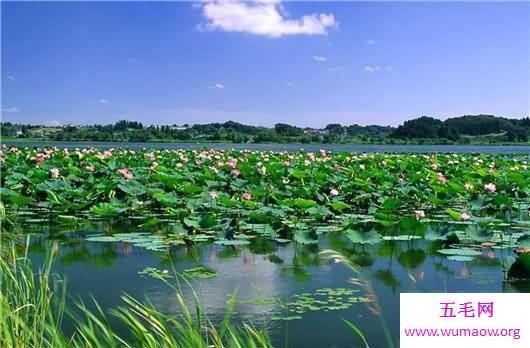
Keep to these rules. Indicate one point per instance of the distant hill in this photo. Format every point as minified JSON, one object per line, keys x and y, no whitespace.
{"x":457,"y":128}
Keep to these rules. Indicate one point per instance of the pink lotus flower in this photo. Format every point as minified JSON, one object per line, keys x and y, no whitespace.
{"x":235,"y":172}
{"x":419,"y":214}
{"x":490,"y":187}
{"x":333,"y":192}
{"x":233,"y":163}
{"x":90,"y":168}
{"x":442,"y":178}
{"x":40,"y":157}
{"x":213,"y":194}
{"x":127,"y":175}
{"x":246,"y":196}
{"x":54,"y":173}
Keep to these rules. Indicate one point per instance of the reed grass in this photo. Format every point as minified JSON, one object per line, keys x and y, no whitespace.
{"x":33,"y":308}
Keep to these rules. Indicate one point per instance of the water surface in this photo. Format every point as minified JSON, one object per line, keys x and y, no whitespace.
{"x":491,"y":149}
{"x":269,"y":270}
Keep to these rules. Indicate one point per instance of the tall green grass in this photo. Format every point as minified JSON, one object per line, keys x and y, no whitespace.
{"x":32,"y":311}
{"x":33,"y":308}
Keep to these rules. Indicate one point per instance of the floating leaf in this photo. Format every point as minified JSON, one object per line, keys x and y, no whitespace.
{"x":460,"y":258}
{"x":460,"y":252}
{"x":227,"y":242}
{"x":200,"y":272}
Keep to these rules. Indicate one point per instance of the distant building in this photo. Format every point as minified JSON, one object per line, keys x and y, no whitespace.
{"x":309,"y":130}
{"x":19,"y":133}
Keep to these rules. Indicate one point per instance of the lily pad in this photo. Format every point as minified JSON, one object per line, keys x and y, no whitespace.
{"x":232,"y":242}
{"x":460,"y":252}
{"x":460,"y":258}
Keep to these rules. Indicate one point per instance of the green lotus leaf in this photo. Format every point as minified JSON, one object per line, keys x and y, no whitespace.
{"x":232,"y":242}
{"x":460,"y":258}
{"x":359,"y":237}
{"x":460,"y":252}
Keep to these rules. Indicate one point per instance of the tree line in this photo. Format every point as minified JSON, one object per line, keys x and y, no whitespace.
{"x":465,"y":129}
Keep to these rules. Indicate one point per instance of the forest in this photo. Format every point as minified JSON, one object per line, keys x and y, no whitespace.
{"x":469,"y":129}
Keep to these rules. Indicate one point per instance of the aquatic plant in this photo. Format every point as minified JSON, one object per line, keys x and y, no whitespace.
{"x":124,"y":182}
{"x":33,"y":307}
{"x":280,"y":196}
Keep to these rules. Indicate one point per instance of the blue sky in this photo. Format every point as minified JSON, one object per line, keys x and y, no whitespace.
{"x":307,"y":64}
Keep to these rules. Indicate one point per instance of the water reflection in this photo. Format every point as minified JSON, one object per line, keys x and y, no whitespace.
{"x":265,"y":269}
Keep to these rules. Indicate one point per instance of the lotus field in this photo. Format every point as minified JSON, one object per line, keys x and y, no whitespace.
{"x":231,"y":197}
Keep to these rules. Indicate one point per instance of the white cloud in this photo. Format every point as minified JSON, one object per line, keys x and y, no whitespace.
{"x":217,"y":86}
{"x":320,"y":58}
{"x":377,"y":68}
{"x":262,"y":17}
{"x":372,"y":68}
{"x":104,"y":101}
{"x":370,"y":42}
{"x":10,"y":109}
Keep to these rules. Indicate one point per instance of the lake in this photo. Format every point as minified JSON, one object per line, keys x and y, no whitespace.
{"x":266,"y":271}
{"x":258,"y":224}
{"x":492,"y":149}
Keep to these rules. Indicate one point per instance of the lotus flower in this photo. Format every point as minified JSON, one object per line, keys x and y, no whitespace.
{"x":233,"y":163}
{"x":40,"y":157}
{"x":419,"y":214}
{"x":127,"y":175}
{"x":333,"y":192}
{"x":54,"y":173}
{"x":246,"y":196}
{"x":442,"y":178}
{"x":490,"y":187}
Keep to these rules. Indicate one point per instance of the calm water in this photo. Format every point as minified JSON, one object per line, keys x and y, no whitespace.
{"x":265,"y":269}
{"x":291,"y":147}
